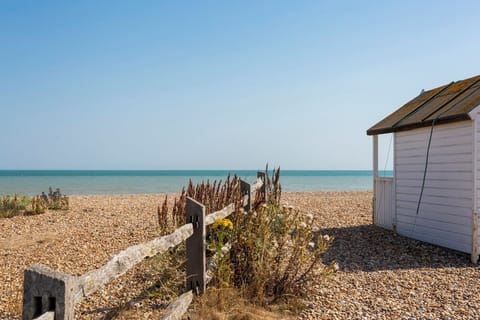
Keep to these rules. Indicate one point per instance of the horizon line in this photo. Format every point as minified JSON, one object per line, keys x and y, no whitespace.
{"x":281,"y":169}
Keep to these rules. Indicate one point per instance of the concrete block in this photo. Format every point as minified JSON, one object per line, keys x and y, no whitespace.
{"x":47,"y":290}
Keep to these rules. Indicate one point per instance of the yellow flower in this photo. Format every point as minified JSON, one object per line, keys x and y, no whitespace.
{"x":224,"y":224}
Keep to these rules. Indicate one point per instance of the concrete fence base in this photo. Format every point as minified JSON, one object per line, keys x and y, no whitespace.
{"x":47,"y":290}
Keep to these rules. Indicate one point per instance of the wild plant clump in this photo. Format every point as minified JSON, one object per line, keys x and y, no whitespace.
{"x":270,"y":253}
{"x":23,"y":205}
{"x":38,"y":206}
{"x":214,"y":196}
{"x":274,"y":252}
{"x":54,"y":200}
{"x":13,"y":205}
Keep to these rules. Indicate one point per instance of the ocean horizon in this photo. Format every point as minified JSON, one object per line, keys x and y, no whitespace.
{"x":91,"y":182}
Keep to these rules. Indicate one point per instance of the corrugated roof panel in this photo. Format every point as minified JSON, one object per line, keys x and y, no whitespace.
{"x":447,"y":103}
{"x":437,"y":104}
{"x":409,"y":107}
{"x":462,"y":105}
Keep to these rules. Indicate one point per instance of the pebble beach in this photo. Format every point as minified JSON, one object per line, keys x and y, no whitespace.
{"x":381,"y":275}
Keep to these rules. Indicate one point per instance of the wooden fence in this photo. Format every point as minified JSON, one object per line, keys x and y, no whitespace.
{"x":49,"y":294}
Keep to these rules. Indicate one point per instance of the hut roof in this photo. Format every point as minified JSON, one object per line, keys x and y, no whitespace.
{"x":448,"y":103}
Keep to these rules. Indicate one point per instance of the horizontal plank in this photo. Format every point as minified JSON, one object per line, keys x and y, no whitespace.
{"x":427,"y":199}
{"x":446,"y":138}
{"x":436,"y":175}
{"x":445,"y":130}
{"x":225,"y":212}
{"x":437,"y":151}
{"x":126,"y":259}
{"x":462,"y":226}
{"x":433,"y":158}
{"x":451,"y":141}
{"x":450,"y":217}
{"x":420,"y":167}
{"x":438,"y":192}
{"x":421,"y":235}
{"x":413,"y":229}
{"x":177,"y":308}
{"x":434,"y":183}
{"x":384,"y":179}
{"x":440,"y":238}
{"x":434,"y":207}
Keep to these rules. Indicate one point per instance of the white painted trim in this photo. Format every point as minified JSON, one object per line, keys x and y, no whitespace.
{"x":375,"y":156}
{"x":474,"y":254}
{"x":474,"y":113}
{"x":394,"y":182}
{"x":375,"y":175}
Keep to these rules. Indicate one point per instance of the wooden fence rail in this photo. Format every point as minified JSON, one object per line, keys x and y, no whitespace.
{"x":49,"y":294}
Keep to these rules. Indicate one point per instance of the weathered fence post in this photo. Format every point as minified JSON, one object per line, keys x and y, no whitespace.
{"x":196,"y":261}
{"x":246,"y":190}
{"x":47,"y":290}
{"x":263,"y":188}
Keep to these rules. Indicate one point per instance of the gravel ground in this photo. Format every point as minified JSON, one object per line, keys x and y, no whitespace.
{"x":79,"y":240}
{"x":381,"y":276}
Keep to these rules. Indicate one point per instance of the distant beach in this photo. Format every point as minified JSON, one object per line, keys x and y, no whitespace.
{"x":92,"y":182}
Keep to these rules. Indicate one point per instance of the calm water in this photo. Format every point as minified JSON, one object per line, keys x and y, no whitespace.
{"x":159,"y":181}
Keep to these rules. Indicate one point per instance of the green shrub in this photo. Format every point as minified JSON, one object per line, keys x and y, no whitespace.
{"x":274,"y":253}
{"x":55,"y":200}
{"x":13,"y":205}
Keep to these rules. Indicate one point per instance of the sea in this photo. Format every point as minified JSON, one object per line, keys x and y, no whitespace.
{"x":91,"y":182}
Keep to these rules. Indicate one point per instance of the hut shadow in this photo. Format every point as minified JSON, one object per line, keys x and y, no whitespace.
{"x":371,"y":248}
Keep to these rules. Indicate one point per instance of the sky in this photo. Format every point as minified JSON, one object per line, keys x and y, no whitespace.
{"x":218,"y":84}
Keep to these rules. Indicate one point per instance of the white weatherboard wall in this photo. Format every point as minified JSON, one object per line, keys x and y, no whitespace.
{"x":445,"y":215}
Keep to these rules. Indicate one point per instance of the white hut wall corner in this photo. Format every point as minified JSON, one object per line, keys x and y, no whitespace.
{"x":474,"y":115}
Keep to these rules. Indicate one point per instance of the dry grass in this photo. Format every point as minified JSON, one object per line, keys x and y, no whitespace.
{"x":214,"y":196}
{"x":228,"y":304}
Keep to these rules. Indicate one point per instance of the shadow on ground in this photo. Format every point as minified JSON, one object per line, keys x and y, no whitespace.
{"x":371,"y":248}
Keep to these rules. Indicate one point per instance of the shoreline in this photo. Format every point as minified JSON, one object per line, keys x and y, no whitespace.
{"x":145,"y":184}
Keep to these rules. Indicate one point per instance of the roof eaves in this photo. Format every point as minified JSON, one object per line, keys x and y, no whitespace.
{"x":411,"y":126}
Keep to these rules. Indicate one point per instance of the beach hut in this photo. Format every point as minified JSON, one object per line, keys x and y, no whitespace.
{"x":434,"y":193}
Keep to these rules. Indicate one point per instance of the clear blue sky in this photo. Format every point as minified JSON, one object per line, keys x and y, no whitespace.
{"x":218,"y":84}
